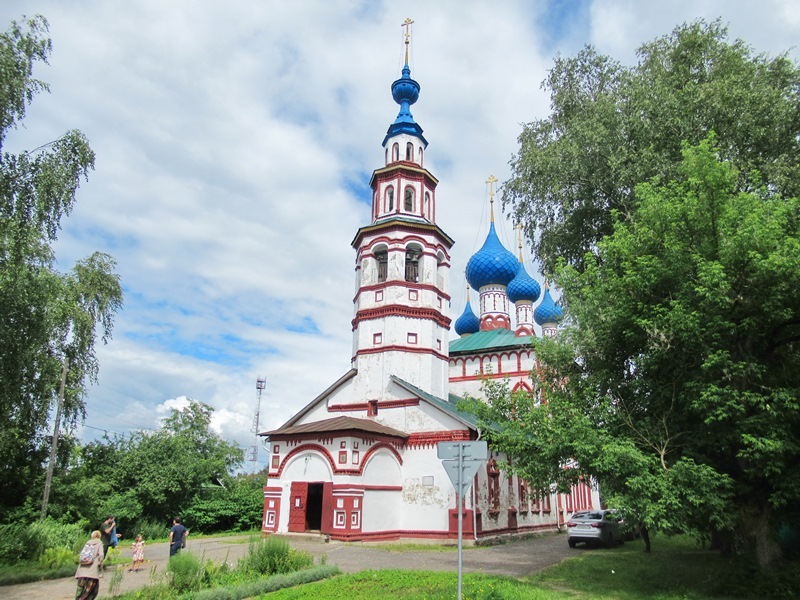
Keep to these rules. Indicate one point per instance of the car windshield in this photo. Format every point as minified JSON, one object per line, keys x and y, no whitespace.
{"x":588,"y":516}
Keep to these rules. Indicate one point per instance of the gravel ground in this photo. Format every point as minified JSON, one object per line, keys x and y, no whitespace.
{"x":516,"y":558}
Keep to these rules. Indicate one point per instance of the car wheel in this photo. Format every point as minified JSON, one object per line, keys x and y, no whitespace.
{"x":571,"y":543}
{"x":610,"y":541}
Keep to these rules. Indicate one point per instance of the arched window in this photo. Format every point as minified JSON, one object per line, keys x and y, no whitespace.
{"x":420,"y":156}
{"x":427,"y":205}
{"x":395,"y":152}
{"x":413,"y":254}
{"x":409,"y":201}
{"x":409,"y":151}
{"x":386,"y":156}
{"x":389,"y":199}
{"x":382,"y":258}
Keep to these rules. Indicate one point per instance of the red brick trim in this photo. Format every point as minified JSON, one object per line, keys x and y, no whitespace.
{"x":430,"y":439}
{"x":381,"y":405}
{"x":400,"y":310}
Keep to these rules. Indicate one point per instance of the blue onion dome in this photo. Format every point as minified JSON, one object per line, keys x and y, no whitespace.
{"x":405,"y":92}
{"x":523,"y":287}
{"x":468,"y":322}
{"x":492,"y":264}
{"x":548,"y":311}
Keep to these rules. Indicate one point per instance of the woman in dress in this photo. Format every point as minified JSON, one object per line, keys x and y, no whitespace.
{"x":88,"y":573}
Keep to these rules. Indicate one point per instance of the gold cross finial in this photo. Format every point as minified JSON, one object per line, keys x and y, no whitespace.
{"x":491,"y":181}
{"x":407,"y":24}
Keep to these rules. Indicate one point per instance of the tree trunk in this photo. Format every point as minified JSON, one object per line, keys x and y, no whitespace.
{"x":759,"y":531}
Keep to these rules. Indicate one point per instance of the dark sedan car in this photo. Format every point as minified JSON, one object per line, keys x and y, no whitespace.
{"x":594,"y":527}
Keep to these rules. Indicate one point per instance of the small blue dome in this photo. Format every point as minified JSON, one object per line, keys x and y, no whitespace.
{"x":548,"y":311}
{"x":492,"y":264}
{"x":468,"y":322}
{"x":405,"y":92}
{"x":523,"y":287}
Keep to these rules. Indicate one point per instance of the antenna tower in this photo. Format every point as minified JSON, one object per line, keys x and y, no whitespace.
{"x":261,"y":383}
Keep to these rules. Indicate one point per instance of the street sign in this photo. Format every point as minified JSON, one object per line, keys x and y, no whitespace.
{"x":468,"y":469}
{"x":469,"y":450}
{"x":461,"y":461}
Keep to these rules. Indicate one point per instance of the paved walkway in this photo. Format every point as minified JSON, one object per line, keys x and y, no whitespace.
{"x":516,"y":559}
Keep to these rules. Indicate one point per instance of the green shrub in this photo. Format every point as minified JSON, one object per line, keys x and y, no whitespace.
{"x":150,"y":529}
{"x":55,"y":558}
{"x":186,"y":572}
{"x":28,"y":541}
{"x":273,"y":555}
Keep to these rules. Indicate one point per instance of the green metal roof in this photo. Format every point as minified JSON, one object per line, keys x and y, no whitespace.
{"x":496,"y":339}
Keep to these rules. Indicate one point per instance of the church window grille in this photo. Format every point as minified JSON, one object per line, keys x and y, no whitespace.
{"x":409,"y":151}
{"x":427,"y":207}
{"x":409,"y":199}
{"x":383,"y":264}
{"x":412,"y":265}
{"x":395,"y":152}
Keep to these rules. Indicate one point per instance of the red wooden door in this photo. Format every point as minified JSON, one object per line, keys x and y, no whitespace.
{"x":297,"y":506}
{"x":327,"y":508}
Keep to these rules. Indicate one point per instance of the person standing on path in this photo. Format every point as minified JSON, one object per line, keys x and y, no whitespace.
{"x":88,"y":574}
{"x":108,"y":526}
{"x":177,"y":536}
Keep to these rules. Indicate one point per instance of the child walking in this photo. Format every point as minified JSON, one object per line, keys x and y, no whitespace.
{"x":138,"y":553}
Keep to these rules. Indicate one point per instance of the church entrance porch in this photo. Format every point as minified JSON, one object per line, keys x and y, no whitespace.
{"x":306,"y":506}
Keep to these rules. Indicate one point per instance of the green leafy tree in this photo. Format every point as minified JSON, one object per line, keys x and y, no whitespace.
{"x":676,"y":384}
{"x":47,"y":318}
{"x":612,"y":127}
{"x":164,"y":469}
{"x":237,"y":504}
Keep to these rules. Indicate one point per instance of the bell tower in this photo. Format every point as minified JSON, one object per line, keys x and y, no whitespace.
{"x":402,"y":263}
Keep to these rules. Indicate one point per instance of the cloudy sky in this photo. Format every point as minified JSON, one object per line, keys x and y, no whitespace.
{"x":235,"y":141}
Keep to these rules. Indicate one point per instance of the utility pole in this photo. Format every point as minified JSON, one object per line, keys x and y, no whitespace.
{"x":54,"y":442}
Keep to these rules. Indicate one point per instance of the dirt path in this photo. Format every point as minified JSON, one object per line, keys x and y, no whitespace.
{"x":516,"y":559}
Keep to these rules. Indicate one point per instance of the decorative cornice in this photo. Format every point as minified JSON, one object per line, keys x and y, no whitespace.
{"x":410,"y":169}
{"x":383,"y":285}
{"x":400,"y":310}
{"x":431,"y":438}
{"x":403,"y":224}
{"x":382,"y":444}
{"x":382,"y":404}
{"x":399,"y":348}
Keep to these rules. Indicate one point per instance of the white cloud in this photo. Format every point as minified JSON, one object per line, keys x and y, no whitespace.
{"x":230,"y":138}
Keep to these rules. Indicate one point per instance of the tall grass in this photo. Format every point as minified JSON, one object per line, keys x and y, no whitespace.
{"x":28,"y":541}
{"x":273,"y":555}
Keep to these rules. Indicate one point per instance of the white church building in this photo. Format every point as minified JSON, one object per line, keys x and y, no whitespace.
{"x":359,"y":461}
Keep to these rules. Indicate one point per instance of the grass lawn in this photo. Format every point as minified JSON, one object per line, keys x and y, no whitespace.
{"x":675,"y":570}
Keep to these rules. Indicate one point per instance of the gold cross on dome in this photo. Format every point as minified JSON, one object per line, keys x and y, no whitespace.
{"x":491,"y":181}
{"x":407,"y":24}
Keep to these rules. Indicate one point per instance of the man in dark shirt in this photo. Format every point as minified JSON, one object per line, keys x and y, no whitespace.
{"x":105,"y":533}
{"x":177,"y":536}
